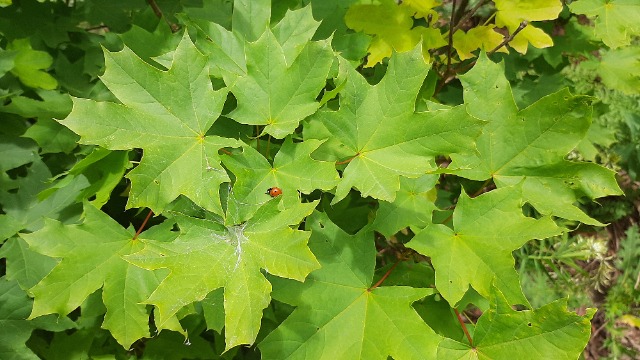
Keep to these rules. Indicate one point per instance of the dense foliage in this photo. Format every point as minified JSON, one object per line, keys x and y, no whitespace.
{"x":317,"y":179}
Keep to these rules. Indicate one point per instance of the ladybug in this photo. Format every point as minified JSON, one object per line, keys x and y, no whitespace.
{"x":274,"y":191}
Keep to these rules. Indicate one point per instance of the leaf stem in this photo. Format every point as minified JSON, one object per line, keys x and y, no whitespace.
{"x":348,"y":160}
{"x":144,"y":223}
{"x":479,"y":191}
{"x":268,"y":145}
{"x":384,"y":277}
{"x":258,"y":138}
{"x":464,"y":326}
{"x":489,"y":19}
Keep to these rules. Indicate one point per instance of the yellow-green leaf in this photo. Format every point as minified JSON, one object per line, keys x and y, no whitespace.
{"x":616,"y":21}
{"x":480,"y":37}
{"x":511,"y":13}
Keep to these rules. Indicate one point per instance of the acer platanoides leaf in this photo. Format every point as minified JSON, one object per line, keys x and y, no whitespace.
{"x":167,"y":114}
{"x":338,"y":316}
{"x":477,"y":251}
{"x":530,"y":145}
{"x":293,"y":170}
{"x":616,"y":21}
{"x":386,"y":137}
{"x":549,"y":332}
{"x":91,"y":256}
{"x":211,"y":253}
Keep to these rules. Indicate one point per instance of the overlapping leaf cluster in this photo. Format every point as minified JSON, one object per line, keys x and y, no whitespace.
{"x":224,"y":247}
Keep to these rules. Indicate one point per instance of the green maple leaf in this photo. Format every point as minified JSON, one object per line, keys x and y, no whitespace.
{"x":619,"y":69}
{"x":531,"y":144}
{"x":30,"y":65}
{"x":549,"y":332}
{"x":338,"y":317}
{"x":6,"y":61}
{"x":276,"y":77}
{"x":477,"y":251}
{"x":167,"y":114}
{"x":251,"y":17}
{"x":413,"y":205}
{"x":103,"y":168}
{"x":276,"y":93}
{"x":15,"y":330}
{"x":91,"y":256}
{"x":616,"y":21}
{"x":511,"y":13}
{"x":24,"y":265}
{"x":293,"y":170}
{"x":386,"y":137}
{"x":24,"y":210}
{"x":214,"y":253}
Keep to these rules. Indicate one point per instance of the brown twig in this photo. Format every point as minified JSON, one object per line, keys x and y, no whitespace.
{"x":464,"y":327}
{"x":144,"y":223}
{"x":447,"y":78}
{"x":468,"y":15}
{"x":450,"y":46}
{"x":384,"y":277}
{"x":158,"y":12}
{"x":506,"y":40}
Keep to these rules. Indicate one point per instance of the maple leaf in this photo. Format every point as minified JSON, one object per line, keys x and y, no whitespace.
{"x":92,"y":259}
{"x":480,"y":37}
{"x":250,"y":18}
{"x":293,"y":170}
{"x":477,"y":251}
{"x":392,"y":27}
{"x":24,"y":265}
{"x":214,"y":253}
{"x":619,"y":69}
{"x":167,"y":114}
{"x":338,"y":316}
{"x":531,"y":144}
{"x":511,"y":13}
{"x":15,"y":330}
{"x":616,"y":20}
{"x":549,"y":332}
{"x":386,"y":137}
{"x":413,"y":205}
{"x":275,"y":78}
{"x":30,"y":65}
{"x":23,"y":209}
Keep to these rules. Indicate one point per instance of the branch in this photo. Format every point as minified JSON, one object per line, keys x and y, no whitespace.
{"x":450,"y":47}
{"x":158,"y":12}
{"x":446,"y":77}
{"x":468,"y":15}
{"x":506,"y":40}
{"x":155,"y":7}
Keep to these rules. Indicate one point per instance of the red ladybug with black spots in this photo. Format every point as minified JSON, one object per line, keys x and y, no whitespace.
{"x":274,"y":191}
